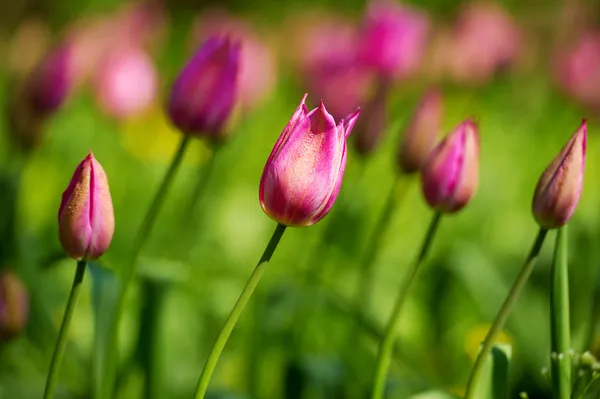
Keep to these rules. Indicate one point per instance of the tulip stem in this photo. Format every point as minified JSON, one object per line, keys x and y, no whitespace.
{"x":129,"y":269}
{"x":386,"y":347}
{"x":560,"y":321}
{"x":236,"y":312}
{"x":504,"y":312}
{"x":61,"y":342}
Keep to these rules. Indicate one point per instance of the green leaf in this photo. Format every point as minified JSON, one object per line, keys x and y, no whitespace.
{"x":493,"y":383}
{"x":105,"y":291}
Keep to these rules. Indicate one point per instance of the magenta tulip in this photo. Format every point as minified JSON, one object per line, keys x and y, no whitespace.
{"x":559,"y":188}
{"x":394,"y":38}
{"x":204,"y":94}
{"x":303,"y":175}
{"x":421,"y":132}
{"x":450,"y":176}
{"x":85,"y":217}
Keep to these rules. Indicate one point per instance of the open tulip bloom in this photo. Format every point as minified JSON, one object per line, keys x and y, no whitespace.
{"x":299,"y":185}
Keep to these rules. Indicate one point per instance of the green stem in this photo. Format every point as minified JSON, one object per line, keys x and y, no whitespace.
{"x":560,"y":322}
{"x":386,"y":347}
{"x":61,"y":342}
{"x":236,"y":312}
{"x":503,"y":314}
{"x":104,"y":390}
{"x":151,"y":347}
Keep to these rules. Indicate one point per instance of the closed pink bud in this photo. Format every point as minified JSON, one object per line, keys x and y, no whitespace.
{"x":559,"y":189}
{"x":86,"y":220}
{"x":421,"y":132}
{"x":450,"y":175}
{"x":14,"y":306}
{"x":303,"y":175}
{"x":204,"y":94}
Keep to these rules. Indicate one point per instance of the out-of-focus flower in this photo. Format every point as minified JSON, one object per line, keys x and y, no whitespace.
{"x":126,"y":82}
{"x":140,"y":24}
{"x":303,"y":175}
{"x":577,"y":69}
{"x":51,"y":82}
{"x":257,"y":69}
{"x":559,"y":188}
{"x":393,"y":39}
{"x":421,"y":132}
{"x":204,"y":94}
{"x":85,"y":218}
{"x":371,"y":126}
{"x":14,"y":306}
{"x":484,"y":40}
{"x":27,"y":46}
{"x":450,"y":176}
{"x":324,"y":49}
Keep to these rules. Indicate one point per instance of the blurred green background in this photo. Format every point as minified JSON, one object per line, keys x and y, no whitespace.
{"x":197,"y":261}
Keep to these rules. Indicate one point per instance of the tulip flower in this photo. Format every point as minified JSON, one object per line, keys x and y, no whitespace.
{"x":421,"y":132}
{"x":204,"y":94}
{"x":559,"y":188}
{"x":373,"y":123}
{"x":14,"y":306}
{"x":450,"y":175}
{"x":577,"y":69}
{"x":304,"y":172}
{"x":85,"y":217}
{"x":258,"y":67}
{"x":393,"y":39}
{"x":126,"y":83}
{"x":51,"y":82}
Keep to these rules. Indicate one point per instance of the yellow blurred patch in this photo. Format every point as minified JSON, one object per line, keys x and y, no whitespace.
{"x":476,"y":336}
{"x":151,"y":137}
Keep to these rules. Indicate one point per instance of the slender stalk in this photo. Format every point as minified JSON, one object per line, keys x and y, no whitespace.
{"x":129,"y":270}
{"x":502,"y":315}
{"x":61,"y":342}
{"x":560,"y":321}
{"x":151,"y":346}
{"x":236,"y":312}
{"x":386,"y":347}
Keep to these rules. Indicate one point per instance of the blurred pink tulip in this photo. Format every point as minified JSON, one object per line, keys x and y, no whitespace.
{"x":483,"y":40}
{"x":51,"y":82}
{"x":450,"y":176}
{"x":126,"y":82}
{"x":421,"y":132}
{"x":14,"y":306}
{"x":205,"y":92}
{"x":559,"y":188}
{"x":303,"y":175}
{"x":393,"y":39}
{"x":258,"y":69}
{"x":326,"y":51}
{"x":577,"y":69}
{"x":85,"y":218}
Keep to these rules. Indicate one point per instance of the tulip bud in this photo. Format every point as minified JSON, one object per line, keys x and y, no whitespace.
{"x":14,"y":306}
{"x":450,"y":175}
{"x":51,"y":82}
{"x":421,"y":132}
{"x":85,"y":217}
{"x":204,"y":94}
{"x":372,"y":125}
{"x":559,"y":189}
{"x":303,"y":175}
